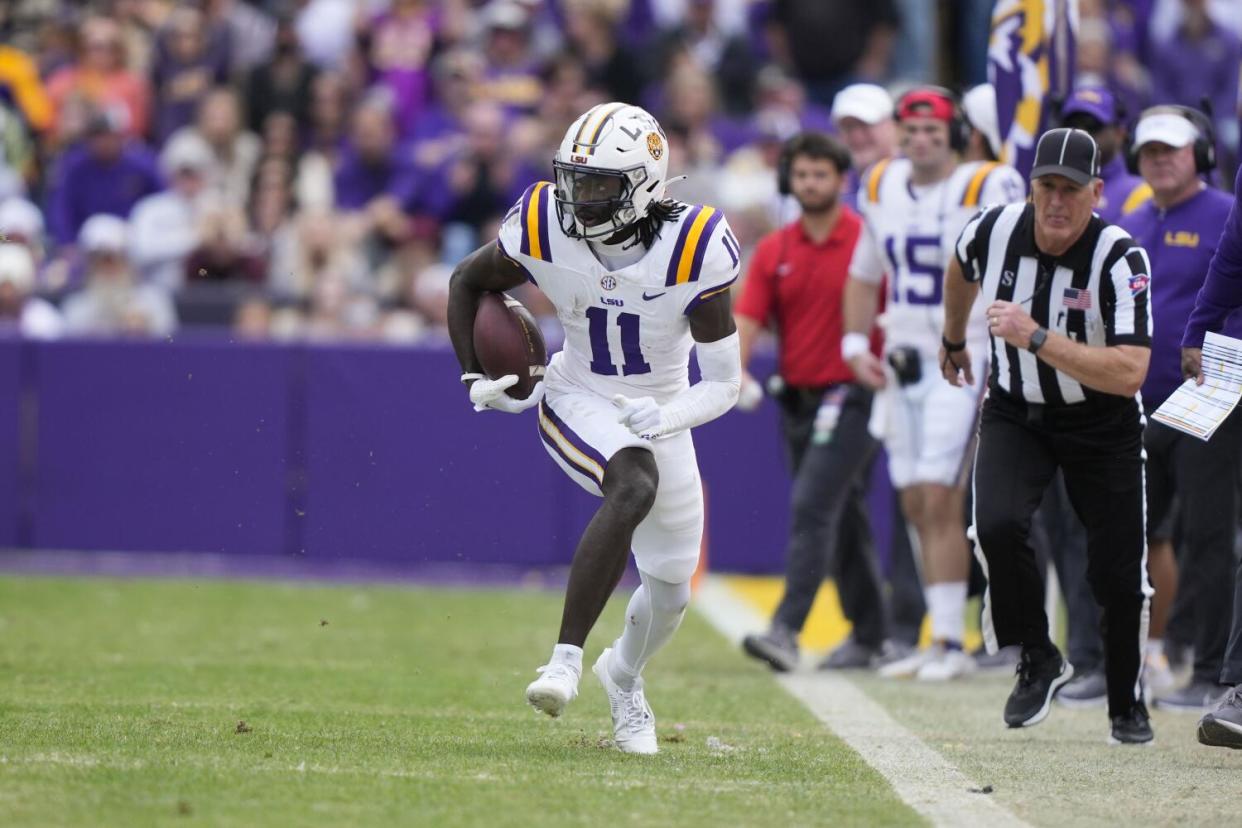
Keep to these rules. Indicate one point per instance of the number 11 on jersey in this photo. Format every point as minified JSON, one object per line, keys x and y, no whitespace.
{"x":631,"y":350}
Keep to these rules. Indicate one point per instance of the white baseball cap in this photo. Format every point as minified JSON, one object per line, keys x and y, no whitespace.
{"x":186,"y":150}
{"x":867,"y":102}
{"x":19,"y":217}
{"x":1165,"y":128}
{"x":979,"y":106}
{"x":17,"y":267}
{"x":102,"y":233}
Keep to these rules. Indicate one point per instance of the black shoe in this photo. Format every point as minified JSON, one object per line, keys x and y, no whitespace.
{"x":851,"y":655}
{"x":1040,"y":674}
{"x":1223,"y":726}
{"x":1196,"y":697}
{"x":778,"y":647}
{"x":1133,"y":728}
{"x":1089,"y":689}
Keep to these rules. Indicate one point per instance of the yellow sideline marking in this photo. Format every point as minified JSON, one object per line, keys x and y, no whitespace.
{"x":826,"y":625}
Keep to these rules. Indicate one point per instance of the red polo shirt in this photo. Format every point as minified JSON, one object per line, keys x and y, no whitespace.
{"x":796,"y":287}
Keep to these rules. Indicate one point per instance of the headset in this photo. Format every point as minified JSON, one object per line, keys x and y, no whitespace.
{"x":959,"y":128}
{"x":784,"y":164}
{"x":1205,"y":139}
{"x":805,"y":142}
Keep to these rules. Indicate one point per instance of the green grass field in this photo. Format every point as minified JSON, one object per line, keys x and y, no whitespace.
{"x":121,"y":703}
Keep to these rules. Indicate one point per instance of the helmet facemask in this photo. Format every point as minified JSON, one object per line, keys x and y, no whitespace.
{"x":593,"y":203}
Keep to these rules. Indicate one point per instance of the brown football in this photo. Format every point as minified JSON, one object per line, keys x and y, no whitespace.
{"x":507,"y":341}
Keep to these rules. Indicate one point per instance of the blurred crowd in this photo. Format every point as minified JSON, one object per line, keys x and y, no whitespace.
{"x":314,"y":168}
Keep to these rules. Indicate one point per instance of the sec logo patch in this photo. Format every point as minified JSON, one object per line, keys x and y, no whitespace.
{"x":609,"y":282}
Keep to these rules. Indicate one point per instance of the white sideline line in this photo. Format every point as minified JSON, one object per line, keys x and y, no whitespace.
{"x":924,"y":779}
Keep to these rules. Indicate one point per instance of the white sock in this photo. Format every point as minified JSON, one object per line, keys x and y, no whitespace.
{"x":946,"y":604}
{"x":653,"y":615}
{"x":1155,"y":647}
{"x":567,"y":654}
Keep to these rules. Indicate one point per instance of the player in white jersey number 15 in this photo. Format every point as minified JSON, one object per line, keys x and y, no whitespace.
{"x":913,"y":208}
{"x":637,"y":280}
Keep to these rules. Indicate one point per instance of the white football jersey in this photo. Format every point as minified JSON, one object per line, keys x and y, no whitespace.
{"x":909,"y":234}
{"x":627,"y":331}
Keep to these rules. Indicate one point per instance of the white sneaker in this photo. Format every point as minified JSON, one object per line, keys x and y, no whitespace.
{"x":909,"y":666}
{"x":633,"y":723}
{"x":1158,"y":678}
{"x":556,"y":687}
{"x":948,"y":663}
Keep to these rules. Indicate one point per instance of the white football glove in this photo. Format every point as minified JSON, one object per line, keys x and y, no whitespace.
{"x":750,"y":394}
{"x":641,"y":416}
{"x":489,"y":395}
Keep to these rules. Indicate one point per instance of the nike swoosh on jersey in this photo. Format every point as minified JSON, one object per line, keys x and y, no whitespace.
{"x":654,"y":295}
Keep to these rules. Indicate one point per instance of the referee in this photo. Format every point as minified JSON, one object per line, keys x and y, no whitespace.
{"x":1066,"y":298}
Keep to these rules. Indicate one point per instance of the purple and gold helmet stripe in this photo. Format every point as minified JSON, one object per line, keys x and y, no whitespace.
{"x":687,"y":259}
{"x":571,"y":448}
{"x":592,"y":125}
{"x":535,"y":241}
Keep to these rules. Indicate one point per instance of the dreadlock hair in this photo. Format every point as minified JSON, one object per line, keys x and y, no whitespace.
{"x":658,"y":213}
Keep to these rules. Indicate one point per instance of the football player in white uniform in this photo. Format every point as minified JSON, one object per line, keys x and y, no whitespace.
{"x":913,"y":209}
{"x":637,"y":280}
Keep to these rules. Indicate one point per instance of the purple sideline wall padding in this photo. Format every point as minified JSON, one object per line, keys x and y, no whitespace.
{"x":155,"y":446}
{"x":10,"y":413}
{"x":332,"y":452}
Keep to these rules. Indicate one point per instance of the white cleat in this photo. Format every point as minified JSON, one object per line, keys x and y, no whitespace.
{"x":556,"y":687}
{"x":633,"y":723}
{"x":909,"y":666}
{"x":946,"y":664}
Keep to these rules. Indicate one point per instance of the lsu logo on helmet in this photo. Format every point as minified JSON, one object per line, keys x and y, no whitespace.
{"x":655,"y":146}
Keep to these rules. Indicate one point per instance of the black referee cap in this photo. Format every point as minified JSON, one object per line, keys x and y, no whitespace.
{"x":1068,"y":152}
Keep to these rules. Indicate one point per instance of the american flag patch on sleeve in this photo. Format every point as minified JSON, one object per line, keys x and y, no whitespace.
{"x":1077,"y":298}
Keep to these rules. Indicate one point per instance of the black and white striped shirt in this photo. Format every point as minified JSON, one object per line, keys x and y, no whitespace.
{"x":1096,"y":293}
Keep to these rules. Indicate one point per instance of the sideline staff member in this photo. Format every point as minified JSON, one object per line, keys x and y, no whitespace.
{"x":795,"y":282}
{"x":1220,"y":296}
{"x":1179,"y":229}
{"x":1070,"y":336}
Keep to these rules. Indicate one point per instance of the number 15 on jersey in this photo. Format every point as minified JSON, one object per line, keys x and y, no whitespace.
{"x":918,"y":273}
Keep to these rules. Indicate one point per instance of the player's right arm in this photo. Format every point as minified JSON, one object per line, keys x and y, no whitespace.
{"x":862,"y":298}
{"x":485,"y":270}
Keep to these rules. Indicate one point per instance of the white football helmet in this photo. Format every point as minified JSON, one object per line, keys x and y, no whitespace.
{"x":612,"y":165}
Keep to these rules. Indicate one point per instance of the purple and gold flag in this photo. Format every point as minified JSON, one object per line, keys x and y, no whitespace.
{"x":1031,"y":58}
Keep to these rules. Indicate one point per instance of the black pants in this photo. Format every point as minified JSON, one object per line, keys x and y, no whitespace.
{"x":830,"y":527}
{"x":1231,"y":672}
{"x":1203,"y":477}
{"x":1098,"y":448}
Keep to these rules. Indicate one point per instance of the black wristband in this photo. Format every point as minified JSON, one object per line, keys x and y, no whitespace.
{"x":953,"y":347}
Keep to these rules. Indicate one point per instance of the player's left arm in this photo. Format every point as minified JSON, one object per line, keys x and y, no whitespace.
{"x":718,"y":351}
{"x":719,"y":356}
